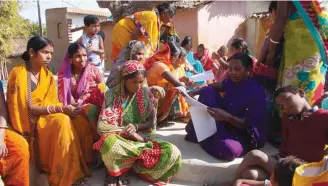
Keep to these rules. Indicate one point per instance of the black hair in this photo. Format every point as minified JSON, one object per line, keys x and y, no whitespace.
{"x":36,"y":43}
{"x":166,"y":7}
{"x":240,"y":43}
{"x":174,"y":49}
{"x":281,"y":90}
{"x":74,"y":47}
{"x":284,"y":170}
{"x":273,"y":6}
{"x":186,"y":41}
{"x":90,"y":19}
{"x":101,"y":34}
{"x":135,"y":74}
{"x":244,"y":58}
{"x":201,"y":46}
{"x":183,"y":52}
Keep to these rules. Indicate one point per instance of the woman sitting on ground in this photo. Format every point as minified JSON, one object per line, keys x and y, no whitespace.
{"x":14,"y":155}
{"x":240,"y":114}
{"x":160,"y":68}
{"x":36,"y":113}
{"x":129,"y":108}
{"x":194,"y":66}
{"x":78,"y":83}
{"x":220,"y":60}
{"x":203,"y":56}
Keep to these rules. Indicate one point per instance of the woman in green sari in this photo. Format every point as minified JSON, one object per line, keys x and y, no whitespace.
{"x":129,"y":108}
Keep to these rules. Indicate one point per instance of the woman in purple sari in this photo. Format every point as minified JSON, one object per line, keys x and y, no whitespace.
{"x":241,"y":114}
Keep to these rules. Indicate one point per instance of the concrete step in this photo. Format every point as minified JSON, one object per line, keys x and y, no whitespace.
{"x":198,"y":167}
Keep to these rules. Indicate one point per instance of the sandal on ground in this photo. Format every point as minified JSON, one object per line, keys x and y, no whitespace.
{"x":110,"y":180}
{"x":81,"y":182}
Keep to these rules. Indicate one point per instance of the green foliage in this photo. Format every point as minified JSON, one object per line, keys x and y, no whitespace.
{"x":33,"y":29}
{"x":12,"y":25}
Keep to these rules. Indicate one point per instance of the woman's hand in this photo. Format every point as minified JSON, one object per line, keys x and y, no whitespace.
{"x":270,"y":58}
{"x":218,"y":114}
{"x":129,"y":130}
{"x":71,"y":111}
{"x":186,"y":80}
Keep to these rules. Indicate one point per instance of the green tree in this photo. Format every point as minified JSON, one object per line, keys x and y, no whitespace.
{"x":11,"y":25}
{"x":34,"y":29}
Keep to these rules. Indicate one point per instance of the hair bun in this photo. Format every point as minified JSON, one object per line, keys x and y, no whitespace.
{"x":25,"y":56}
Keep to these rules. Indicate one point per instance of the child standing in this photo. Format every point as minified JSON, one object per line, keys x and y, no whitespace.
{"x":93,"y":42}
{"x":305,"y":133}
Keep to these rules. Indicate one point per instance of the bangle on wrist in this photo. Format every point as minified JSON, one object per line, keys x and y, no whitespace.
{"x":136,"y":126}
{"x":274,"y":42}
{"x":48,"y":109}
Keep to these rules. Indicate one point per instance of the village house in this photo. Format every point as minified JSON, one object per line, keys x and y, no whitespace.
{"x":60,"y":21}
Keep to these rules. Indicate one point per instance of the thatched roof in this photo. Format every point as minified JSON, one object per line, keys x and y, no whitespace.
{"x":260,"y":15}
{"x":19,"y":47}
{"x":120,"y":9}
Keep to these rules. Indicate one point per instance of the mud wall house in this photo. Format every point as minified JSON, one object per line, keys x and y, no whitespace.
{"x":14,"y":58}
{"x":216,"y":23}
{"x":60,"y":21}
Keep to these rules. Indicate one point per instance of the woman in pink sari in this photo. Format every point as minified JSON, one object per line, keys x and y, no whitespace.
{"x":81,"y":84}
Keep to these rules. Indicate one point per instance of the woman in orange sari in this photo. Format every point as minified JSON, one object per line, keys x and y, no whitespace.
{"x":36,"y":113}
{"x":160,"y":68}
{"x":14,"y":155}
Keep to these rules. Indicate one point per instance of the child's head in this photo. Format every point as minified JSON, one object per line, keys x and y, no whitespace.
{"x":200,"y":50}
{"x":284,"y":170}
{"x":239,"y":66}
{"x":78,"y":55}
{"x":272,"y":9}
{"x":223,"y":51}
{"x":238,"y":45}
{"x":290,"y":99}
{"x":92,"y":24}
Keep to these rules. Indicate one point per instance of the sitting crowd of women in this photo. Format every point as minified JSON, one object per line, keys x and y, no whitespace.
{"x":63,"y":133}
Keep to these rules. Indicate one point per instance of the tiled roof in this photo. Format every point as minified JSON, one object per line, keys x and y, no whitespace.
{"x":260,"y":15}
{"x":101,"y":23}
{"x":188,"y":4}
{"x":19,"y":47}
{"x":82,"y":11}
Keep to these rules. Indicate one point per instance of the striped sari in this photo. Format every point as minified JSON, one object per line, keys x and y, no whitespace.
{"x":154,"y":161}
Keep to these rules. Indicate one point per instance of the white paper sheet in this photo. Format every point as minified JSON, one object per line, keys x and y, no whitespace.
{"x":191,"y":101}
{"x":204,"y":124}
{"x":205,"y":76}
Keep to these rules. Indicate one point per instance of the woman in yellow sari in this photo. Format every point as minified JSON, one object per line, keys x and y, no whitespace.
{"x":36,"y":113}
{"x":143,"y":26}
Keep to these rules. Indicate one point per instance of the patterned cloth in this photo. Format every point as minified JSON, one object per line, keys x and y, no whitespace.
{"x":147,"y":22}
{"x":154,"y":161}
{"x":86,"y":91}
{"x":303,"y":64}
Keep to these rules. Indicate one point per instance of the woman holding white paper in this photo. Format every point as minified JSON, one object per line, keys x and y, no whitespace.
{"x":241,"y":117}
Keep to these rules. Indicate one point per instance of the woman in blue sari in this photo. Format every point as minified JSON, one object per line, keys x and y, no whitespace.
{"x":196,"y":65}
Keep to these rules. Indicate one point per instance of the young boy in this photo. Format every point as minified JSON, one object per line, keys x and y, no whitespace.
{"x":282,"y":175}
{"x":305,"y":133}
{"x":93,"y":42}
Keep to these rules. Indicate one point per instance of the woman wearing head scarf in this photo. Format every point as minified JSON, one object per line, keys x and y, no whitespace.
{"x":128,"y":110}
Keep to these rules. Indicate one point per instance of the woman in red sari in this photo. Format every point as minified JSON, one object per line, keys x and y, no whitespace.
{"x":203,"y":56}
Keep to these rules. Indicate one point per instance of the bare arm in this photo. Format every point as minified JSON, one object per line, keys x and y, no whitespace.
{"x":169,"y":77}
{"x":251,"y":182}
{"x":3,"y":112}
{"x":236,"y":122}
{"x":277,"y":29}
{"x":99,"y":51}
{"x":149,"y":123}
